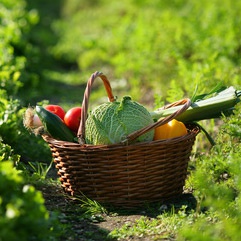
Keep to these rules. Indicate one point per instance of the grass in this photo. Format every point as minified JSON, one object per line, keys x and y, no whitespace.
{"x":163,"y":227}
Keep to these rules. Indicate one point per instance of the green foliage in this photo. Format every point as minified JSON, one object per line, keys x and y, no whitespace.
{"x":17,"y":54}
{"x":8,"y":117}
{"x":39,"y":170}
{"x":91,"y":208}
{"x":13,"y":132}
{"x":152,"y":43}
{"x":16,"y":48}
{"x":217,"y":184}
{"x":163,"y":227}
{"x":23,"y":215}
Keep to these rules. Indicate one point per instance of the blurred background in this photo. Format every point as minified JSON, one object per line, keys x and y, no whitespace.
{"x":147,"y":49}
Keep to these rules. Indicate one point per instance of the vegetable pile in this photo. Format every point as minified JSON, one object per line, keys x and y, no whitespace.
{"x":53,"y":120}
{"x":112,"y":122}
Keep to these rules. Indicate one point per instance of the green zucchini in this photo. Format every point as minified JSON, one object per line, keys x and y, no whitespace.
{"x":54,"y":125}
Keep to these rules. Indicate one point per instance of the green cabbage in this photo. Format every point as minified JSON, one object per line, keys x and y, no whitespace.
{"x":111,"y":122}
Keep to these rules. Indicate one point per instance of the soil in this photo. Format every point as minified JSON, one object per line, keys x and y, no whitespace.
{"x":79,"y":227}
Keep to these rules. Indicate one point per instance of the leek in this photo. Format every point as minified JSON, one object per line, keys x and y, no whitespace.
{"x":222,"y":103}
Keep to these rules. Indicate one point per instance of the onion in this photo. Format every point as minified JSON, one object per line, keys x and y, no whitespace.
{"x":36,"y":121}
{"x":31,"y":120}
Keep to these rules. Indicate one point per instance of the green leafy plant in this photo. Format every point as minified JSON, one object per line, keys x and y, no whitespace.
{"x":161,"y":46}
{"x":16,"y":51}
{"x":23,"y":215}
{"x":217,"y":184}
{"x":39,"y":170}
{"x":15,"y":45}
{"x":13,"y":133}
{"x":90,"y":207}
{"x":127,"y":116}
{"x":164,"y":227}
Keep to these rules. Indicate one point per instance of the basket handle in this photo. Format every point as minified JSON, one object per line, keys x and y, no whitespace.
{"x":85,"y":102}
{"x":81,"y":131}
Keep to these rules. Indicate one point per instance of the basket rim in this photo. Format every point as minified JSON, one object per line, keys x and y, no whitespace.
{"x":193,"y":131}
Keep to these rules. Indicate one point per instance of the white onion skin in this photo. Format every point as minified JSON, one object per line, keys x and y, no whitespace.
{"x":36,"y":121}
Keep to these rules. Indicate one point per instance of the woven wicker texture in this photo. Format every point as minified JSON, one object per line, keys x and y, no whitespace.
{"x":124,"y":174}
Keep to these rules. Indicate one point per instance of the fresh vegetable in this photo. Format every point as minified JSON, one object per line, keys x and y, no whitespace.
{"x":169,"y":130}
{"x":31,"y":119}
{"x":56,"y":109}
{"x":111,"y":122}
{"x":36,"y":121}
{"x":54,"y":125}
{"x":72,"y":118}
{"x":222,"y":103}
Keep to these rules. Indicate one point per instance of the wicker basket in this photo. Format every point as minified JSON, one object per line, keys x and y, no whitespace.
{"x":124,"y":174}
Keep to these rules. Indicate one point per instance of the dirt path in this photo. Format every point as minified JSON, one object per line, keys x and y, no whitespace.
{"x":80,"y":227}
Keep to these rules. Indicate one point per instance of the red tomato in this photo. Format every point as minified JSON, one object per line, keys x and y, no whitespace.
{"x":56,"y":109}
{"x":72,"y":118}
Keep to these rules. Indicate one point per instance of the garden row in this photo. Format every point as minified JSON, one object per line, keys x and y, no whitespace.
{"x":23,"y":215}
